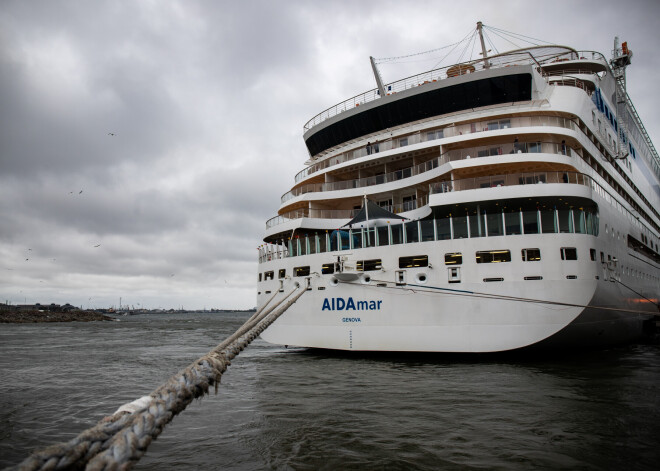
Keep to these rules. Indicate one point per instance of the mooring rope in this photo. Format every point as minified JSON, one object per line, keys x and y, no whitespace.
{"x":118,"y":441}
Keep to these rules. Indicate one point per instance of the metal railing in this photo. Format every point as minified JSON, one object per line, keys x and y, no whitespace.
{"x":537,"y":57}
{"x":453,"y":155}
{"x":509,"y":179}
{"x":432,"y":135}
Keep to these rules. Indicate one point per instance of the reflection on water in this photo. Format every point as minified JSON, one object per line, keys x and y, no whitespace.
{"x":283,"y":408}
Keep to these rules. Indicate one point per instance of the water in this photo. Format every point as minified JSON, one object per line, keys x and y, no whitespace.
{"x":283,"y":408}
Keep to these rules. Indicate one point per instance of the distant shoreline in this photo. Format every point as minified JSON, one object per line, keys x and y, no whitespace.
{"x":31,"y":317}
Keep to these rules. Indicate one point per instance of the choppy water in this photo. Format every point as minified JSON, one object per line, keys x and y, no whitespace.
{"x":282,"y":408}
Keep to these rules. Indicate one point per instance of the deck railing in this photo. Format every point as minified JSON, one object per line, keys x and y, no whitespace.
{"x":522,"y":57}
{"x":434,"y":134}
{"x":453,"y":155}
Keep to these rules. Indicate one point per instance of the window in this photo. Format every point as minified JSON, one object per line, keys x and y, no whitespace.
{"x":327,"y":268}
{"x":592,"y":254}
{"x":282,"y":273}
{"x":568,"y":253}
{"x":531,"y":255}
{"x":369,"y":265}
{"x":493,"y":256}
{"x":403,"y":142}
{"x":512,"y":223}
{"x":301,"y":271}
{"x":269,"y":275}
{"x":259,"y":276}
{"x":414,"y":261}
{"x":453,"y":258}
{"x":534,"y":147}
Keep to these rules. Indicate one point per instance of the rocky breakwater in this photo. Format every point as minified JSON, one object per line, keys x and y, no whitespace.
{"x":32,"y":316}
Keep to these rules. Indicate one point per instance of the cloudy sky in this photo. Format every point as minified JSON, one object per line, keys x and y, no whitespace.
{"x":144,"y":144}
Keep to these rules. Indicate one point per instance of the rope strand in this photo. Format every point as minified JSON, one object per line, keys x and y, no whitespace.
{"x":120,"y":440}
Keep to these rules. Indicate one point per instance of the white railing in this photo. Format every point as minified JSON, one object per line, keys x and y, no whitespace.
{"x":435,"y":134}
{"x":535,"y":56}
{"x":459,"y":154}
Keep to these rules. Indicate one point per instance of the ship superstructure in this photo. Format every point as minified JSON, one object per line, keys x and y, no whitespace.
{"x":489,"y":205}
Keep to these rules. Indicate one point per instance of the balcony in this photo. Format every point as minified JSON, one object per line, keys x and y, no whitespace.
{"x":435,"y":134}
{"x":449,"y":156}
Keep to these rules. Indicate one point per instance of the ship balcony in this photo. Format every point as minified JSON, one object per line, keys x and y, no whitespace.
{"x":485,"y":183}
{"x":521,"y":149}
{"x":433,"y":133}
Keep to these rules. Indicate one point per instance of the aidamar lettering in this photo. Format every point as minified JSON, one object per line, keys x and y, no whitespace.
{"x":349,"y":304}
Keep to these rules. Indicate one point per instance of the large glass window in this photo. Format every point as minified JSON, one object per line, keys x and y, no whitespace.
{"x":397,"y":233}
{"x":460,"y":227}
{"x":477,"y":225}
{"x":383,"y":238}
{"x":512,"y":221}
{"x":495,"y":225}
{"x":531,"y":222}
{"x":301,"y":271}
{"x":548,"y":221}
{"x":427,"y":230}
{"x":327,"y":268}
{"x":444,"y":228}
{"x":412,"y":232}
{"x":565,"y":217}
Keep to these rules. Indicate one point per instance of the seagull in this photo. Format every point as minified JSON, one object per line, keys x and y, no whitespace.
{"x":97,"y":245}
{"x":80,"y":192}
{"x":27,"y":259}
{"x":111,"y":134}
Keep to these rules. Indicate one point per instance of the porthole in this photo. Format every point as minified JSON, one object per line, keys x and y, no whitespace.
{"x":334,"y":281}
{"x":421,"y":278}
{"x":366,"y":279}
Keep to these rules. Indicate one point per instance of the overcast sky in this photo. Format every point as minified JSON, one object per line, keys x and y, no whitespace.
{"x":144,"y":144}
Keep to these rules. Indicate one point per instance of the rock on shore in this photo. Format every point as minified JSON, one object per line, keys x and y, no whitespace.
{"x":24,"y":317}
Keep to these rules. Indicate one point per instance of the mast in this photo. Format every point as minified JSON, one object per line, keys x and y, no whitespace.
{"x":379,"y":81}
{"x":620,"y":60}
{"x":483,"y":45}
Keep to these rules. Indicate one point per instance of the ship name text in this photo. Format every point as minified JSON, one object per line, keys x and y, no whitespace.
{"x":348,"y":304}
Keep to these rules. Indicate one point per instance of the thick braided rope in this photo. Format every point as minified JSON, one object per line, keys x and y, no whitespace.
{"x":120,"y":440}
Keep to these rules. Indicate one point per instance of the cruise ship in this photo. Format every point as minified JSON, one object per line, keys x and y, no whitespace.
{"x":489,"y":205}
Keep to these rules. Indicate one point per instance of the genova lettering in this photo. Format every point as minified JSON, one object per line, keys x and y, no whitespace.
{"x":348,"y":304}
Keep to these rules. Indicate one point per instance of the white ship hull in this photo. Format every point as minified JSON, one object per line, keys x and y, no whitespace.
{"x":438,"y":316}
{"x":530,"y":204}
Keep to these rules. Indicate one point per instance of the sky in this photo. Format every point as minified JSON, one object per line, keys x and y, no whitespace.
{"x":144,"y":143}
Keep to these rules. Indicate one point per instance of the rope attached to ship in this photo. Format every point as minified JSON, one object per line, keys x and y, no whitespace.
{"x":118,"y":441}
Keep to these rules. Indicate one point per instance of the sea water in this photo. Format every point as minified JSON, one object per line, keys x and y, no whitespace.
{"x":280,"y":408}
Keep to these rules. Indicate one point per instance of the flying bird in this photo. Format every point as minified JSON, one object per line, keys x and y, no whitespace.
{"x":97,"y":245}
{"x":80,"y":192}
{"x":111,"y":134}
